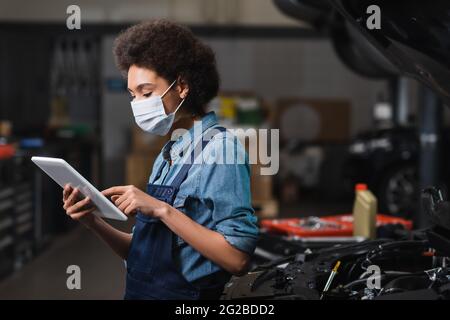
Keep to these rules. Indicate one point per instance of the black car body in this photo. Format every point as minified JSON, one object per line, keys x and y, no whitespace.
{"x":387,"y":160}
{"x":414,"y":40}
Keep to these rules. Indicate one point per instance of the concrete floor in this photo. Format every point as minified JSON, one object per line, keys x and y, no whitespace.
{"x":102,"y":272}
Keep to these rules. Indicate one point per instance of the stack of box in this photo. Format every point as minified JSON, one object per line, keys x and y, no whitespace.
{"x":263,"y":200}
{"x":146,"y":147}
{"x":244,"y":110}
{"x":144,"y":150}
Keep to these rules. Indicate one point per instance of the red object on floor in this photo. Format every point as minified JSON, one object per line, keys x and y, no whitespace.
{"x":7,"y":151}
{"x":361,"y":187}
{"x":328,"y":226}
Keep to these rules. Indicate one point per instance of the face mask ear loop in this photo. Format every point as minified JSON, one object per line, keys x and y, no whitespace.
{"x":167,"y":90}
{"x":179,"y":105}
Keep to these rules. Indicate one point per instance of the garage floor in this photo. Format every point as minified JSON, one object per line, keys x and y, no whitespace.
{"x":102,"y":272}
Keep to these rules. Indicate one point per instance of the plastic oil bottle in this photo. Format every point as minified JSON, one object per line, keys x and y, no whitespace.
{"x":364,"y":212}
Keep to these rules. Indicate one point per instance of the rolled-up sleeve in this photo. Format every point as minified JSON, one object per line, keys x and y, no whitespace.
{"x":225,"y":188}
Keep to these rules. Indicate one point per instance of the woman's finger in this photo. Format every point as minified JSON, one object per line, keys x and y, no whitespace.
{"x":115,"y":190}
{"x":79,"y":205}
{"x":73,"y":196}
{"x":66,"y":191}
{"x":124,"y":205}
{"x":115,"y":197}
{"x":121,"y":199}
{"x":71,"y":199}
{"x":131,"y":209}
{"x":81,"y":214}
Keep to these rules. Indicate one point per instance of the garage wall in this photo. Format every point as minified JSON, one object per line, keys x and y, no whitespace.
{"x":241,"y":12}
{"x":271,"y":68}
{"x":290,"y":67}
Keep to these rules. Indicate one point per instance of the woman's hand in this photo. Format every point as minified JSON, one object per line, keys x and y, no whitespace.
{"x":130,"y":199}
{"x":78,"y":210}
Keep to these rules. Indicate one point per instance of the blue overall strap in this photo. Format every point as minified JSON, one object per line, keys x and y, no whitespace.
{"x":182,"y":174}
{"x":166,"y":155}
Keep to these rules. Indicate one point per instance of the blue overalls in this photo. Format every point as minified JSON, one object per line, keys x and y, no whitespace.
{"x":151,"y":271}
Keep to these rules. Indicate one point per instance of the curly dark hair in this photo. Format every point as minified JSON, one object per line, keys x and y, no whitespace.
{"x":172,"y":51}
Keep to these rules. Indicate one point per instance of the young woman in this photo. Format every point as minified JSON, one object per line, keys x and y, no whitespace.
{"x":195,"y":226}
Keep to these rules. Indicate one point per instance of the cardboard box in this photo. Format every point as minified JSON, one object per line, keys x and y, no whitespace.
{"x":144,"y":148}
{"x":143,"y":142}
{"x":266,"y":209}
{"x":313,"y":120}
{"x":261,"y":185}
{"x":263,"y":201}
{"x":138,"y":169}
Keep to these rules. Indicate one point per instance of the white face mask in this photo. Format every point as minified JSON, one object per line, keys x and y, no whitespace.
{"x":150,"y":115}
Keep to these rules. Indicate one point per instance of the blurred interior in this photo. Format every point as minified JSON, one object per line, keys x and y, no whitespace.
{"x":61,"y":95}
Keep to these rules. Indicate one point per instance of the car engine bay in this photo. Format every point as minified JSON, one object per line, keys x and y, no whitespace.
{"x":401,"y":265}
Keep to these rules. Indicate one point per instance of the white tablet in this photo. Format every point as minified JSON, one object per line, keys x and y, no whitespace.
{"x":63,"y":173}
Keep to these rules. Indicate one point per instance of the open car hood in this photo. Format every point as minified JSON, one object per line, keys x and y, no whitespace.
{"x":414,"y":38}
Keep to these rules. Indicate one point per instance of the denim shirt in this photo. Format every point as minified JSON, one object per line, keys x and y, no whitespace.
{"x":214,"y":194}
